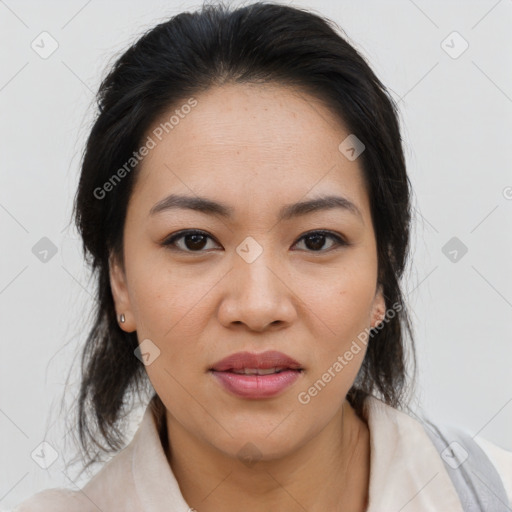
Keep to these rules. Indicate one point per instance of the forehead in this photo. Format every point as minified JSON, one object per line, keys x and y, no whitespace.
{"x":269,"y":142}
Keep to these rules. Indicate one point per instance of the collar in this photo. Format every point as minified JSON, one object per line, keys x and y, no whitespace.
{"x":155,"y":483}
{"x":406,"y":472}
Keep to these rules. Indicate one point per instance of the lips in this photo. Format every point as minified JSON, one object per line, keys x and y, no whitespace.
{"x":256,"y":376}
{"x":243,"y":362}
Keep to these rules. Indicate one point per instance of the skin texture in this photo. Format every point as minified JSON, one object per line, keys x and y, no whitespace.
{"x":256,"y":148}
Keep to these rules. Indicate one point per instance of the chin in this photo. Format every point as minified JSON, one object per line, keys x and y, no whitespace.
{"x":263,"y":442}
{"x":252,"y":449}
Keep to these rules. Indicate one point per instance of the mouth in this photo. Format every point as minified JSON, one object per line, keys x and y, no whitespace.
{"x":259,"y":371}
{"x":256,"y":376}
{"x":253,"y":362}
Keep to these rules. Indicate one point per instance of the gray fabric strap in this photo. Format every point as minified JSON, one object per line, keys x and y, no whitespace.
{"x":475,"y":478}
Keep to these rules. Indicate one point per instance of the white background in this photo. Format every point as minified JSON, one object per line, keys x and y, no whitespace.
{"x":456,"y":118}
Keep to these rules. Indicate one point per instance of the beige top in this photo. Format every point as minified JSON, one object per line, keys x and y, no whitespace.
{"x":406,"y":474}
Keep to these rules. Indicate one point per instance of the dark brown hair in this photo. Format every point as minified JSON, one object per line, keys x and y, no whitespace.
{"x":190,"y":53}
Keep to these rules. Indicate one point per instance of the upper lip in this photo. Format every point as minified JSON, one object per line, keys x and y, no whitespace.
{"x":261,"y":361}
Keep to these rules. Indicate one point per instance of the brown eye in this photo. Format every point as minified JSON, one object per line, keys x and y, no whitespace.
{"x":195,"y":242}
{"x":315,"y":241}
{"x":190,"y":241}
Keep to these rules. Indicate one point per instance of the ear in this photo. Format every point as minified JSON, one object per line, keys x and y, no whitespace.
{"x":120,"y":294}
{"x":378,"y":308}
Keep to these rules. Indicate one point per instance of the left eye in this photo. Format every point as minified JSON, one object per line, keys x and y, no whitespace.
{"x":195,"y":241}
{"x":316,"y":240}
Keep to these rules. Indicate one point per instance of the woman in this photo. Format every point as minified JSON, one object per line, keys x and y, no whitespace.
{"x":245,"y":205}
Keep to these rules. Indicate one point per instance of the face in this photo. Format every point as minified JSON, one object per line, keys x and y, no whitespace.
{"x":201,"y":283}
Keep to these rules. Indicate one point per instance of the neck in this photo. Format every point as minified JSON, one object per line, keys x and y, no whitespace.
{"x":328,"y":472}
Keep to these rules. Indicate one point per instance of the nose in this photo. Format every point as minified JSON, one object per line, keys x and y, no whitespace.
{"x":258,"y":295}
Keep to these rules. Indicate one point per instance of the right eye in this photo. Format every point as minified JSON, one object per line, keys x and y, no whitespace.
{"x":190,"y":241}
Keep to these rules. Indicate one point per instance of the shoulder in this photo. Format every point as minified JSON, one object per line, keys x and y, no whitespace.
{"x":502,"y":460}
{"x":403,"y":432}
{"x":112,"y":488}
{"x":101,"y":492}
{"x":56,"y":500}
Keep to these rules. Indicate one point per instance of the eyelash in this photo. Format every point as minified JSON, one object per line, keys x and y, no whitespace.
{"x":169,"y":242}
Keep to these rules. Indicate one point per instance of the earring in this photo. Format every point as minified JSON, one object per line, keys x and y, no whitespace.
{"x":121,"y":318}
{"x":379,"y":321}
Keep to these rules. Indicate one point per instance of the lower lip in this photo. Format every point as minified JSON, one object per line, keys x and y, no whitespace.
{"x":257,"y":386}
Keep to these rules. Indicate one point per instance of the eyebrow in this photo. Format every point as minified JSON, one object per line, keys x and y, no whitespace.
{"x":287,"y":212}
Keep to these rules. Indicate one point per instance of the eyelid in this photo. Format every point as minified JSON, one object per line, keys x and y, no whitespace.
{"x":340,"y":240}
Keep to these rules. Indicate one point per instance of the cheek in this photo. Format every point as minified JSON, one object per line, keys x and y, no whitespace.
{"x":343,"y":301}
{"x":163,"y":297}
